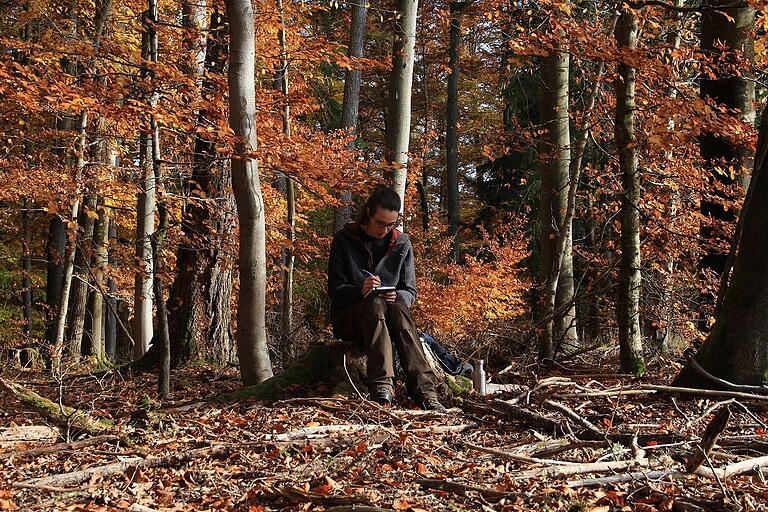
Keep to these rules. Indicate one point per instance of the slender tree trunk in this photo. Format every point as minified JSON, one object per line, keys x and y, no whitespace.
{"x":199,"y":308}
{"x":55,"y":252}
{"x":290,"y":196}
{"x":80,"y":287}
{"x":110,"y":327}
{"x":252,"y":348}
{"x":26,"y":260}
{"x":561,"y":330}
{"x":400,"y":84}
{"x":630,"y":337}
{"x":735,"y":349}
{"x":145,"y":210}
{"x":351,"y":104}
{"x":451,"y":137}
{"x":727,"y":38}
{"x":101,"y":241}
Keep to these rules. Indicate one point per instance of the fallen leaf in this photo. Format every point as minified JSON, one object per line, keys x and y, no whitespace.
{"x":8,"y":505}
{"x":401,"y":504}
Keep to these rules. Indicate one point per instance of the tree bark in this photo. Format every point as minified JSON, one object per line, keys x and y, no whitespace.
{"x":726,"y":38}
{"x":735,"y":349}
{"x":628,"y":310}
{"x":400,"y":84}
{"x":96,"y":348}
{"x":351,"y":103}
{"x":252,"y":348}
{"x":451,"y":137}
{"x":26,"y":267}
{"x":55,"y":248}
{"x":199,"y":309}
{"x":554,"y":201}
{"x":80,"y":287}
{"x":110,"y":323}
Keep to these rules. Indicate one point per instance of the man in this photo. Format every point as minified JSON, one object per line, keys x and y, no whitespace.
{"x":366,"y":255}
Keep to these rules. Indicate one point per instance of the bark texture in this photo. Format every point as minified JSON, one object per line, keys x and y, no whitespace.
{"x":553,"y":202}
{"x":252,"y":348}
{"x":400,"y":84}
{"x":199,"y":308}
{"x":628,"y":310}
{"x":451,"y":137}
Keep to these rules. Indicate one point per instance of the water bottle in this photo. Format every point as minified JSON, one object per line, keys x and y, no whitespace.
{"x":478,"y":377}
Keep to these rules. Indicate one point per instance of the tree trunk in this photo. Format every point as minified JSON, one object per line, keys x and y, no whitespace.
{"x":451,"y":137}
{"x":26,"y":264}
{"x":400,"y":84}
{"x":145,"y":209}
{"x":630,"y":337}
{"x":727,"y":38}
{"x":199,"y":309}
{"x":252,"y":347}
{"x":553,"y":203}
{"x":351,"y":103}
{"x":735,"y":349}
{"x":69,"y":259}
{"x":110,"y":324}
{"x":290,"y":198}
{"x":81,"y":287}
{"x":101,"y":241}
{"x":55,"y":248}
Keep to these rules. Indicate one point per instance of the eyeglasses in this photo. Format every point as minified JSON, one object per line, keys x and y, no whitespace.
{"x":383,"y":224}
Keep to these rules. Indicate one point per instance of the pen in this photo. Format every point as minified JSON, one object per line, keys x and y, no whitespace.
{"x":367,"y":273}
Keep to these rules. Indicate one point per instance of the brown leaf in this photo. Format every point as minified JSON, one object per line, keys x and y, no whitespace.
{"x":8,"y":505}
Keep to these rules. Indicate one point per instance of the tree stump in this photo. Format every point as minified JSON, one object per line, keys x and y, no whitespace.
{"x":335,"y":368}
{"x":26,"y":356}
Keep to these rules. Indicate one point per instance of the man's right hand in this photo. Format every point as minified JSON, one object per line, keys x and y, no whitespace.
{"x":370,"y":283}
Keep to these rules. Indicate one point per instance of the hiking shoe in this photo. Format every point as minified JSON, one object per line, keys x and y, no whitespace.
{"x":382,"y":396}
{"x":433,"y":404}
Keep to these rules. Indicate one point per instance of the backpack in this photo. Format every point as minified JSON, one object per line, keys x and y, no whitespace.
{"x":450,"y":363}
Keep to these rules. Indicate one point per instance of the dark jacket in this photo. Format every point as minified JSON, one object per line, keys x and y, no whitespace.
{"x":349,"y":257}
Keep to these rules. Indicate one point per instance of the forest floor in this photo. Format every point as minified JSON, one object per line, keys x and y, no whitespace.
{"x":549,"y":448}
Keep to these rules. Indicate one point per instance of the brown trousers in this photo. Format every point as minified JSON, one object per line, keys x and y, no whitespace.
{"x":377,"y":323}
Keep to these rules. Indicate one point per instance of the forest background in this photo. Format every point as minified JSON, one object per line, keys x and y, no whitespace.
{"x":575,"y":172}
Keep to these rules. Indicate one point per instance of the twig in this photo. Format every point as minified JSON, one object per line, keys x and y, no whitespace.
{"x":704,"y":392}
{"x":627,"y":477}
{"x":517,"y":457}
{"x":580,"y":469}
{"x":458,"y":488}
{"x":575,"y":417}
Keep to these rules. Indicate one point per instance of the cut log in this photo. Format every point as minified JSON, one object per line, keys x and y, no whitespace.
{"x":67,"y":417}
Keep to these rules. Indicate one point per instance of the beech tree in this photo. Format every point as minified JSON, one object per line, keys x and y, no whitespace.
{"x":252,"y":352}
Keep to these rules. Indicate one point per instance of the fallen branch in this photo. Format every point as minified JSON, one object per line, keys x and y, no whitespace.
{"x":722,"y":383}
{"x":91,"y":441}
{"x":704,"y":392}
{"x":708,"y":439}
{"x":27,"y":433}
{"x":596,"y":432}
{"x":515,"y":456}
{"x":458,"y":488}
{"x":580,"y":469}
{"x":548,"y":426}
{"x":63,"y":416}
{"x":626,"y":477}
{"x":77,"y":477}
{"x":737,"y":468}
{"x":548,"y":452}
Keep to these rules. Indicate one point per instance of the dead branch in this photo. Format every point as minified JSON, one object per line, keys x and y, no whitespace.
{"x":546,"y":425}
{"x":67,"y":417}
{"x":27,"y":433}
{"x":641,"y":476}
{"x":722,"y":383}
{"x":708,"y":439}
{"x":77,"y":477}
{"x":737,"y":468}
{"x":515,"y":456}
{"x":458,"y":488}
{"x":548,"y":452}
{"x":91,"y":441}
{"x":575,"y":417}
{"x":580,"y":469}
{"x":704,"y":392}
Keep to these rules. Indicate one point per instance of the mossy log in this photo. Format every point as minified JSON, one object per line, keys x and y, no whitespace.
{"x":333,"y":368}
{"x":65,"y":416}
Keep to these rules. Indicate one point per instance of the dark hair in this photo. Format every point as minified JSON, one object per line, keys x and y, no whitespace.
{"x":382,"y":197}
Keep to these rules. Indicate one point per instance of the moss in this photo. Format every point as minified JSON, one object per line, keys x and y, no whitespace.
{"x":459,"y":385}
{"x":578,"y":506}
{"x":634,"y":365}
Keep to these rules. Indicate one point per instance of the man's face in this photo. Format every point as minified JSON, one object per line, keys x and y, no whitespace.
{"x":381,"y":222}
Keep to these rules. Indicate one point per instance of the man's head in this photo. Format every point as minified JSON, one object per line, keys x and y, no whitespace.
{"x":381,"y":212}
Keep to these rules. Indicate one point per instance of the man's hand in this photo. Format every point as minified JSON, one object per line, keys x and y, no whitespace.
{"x":370,"y":283}
{"x":389,"y":296}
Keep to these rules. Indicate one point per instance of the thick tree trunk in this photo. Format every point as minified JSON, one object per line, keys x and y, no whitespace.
{"x":630,"y":337}
{"x":252,"y":347}
{"x":55,"y":248}
{"x":451,"y":137}
{"x":735,"y":349}
{"x":199,"y":309}
{"x":351,"y":103}
{"x":727,"y":38}
{"x":69,"y":258}
{"x":400,"y":84}
{"x":553,"y":204}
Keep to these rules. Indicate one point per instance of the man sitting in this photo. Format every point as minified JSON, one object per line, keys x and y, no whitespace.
{"x":367,"y":255}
